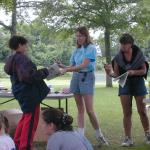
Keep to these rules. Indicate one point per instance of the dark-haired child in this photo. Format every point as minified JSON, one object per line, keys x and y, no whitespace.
{"x":28,"y":88}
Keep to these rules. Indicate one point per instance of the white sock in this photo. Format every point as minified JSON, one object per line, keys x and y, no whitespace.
{"x":81,"y":130}
{"x":98,"y":133}
{"x":147,"y":132}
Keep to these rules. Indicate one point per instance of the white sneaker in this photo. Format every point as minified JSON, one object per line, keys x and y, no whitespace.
{"x":147,"y":136}
{"x":127,"y":142}
{"x":102,"y":140}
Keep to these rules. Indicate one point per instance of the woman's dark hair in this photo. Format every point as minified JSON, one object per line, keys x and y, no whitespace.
{"x":15,"y":41}
{"x":4,"y":124}
{"x":84,"y":31}
{"x":62,"y":120}
{"x":126,"y":39}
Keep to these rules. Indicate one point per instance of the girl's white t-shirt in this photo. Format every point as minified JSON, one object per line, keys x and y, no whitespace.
{"x":6,"y":143}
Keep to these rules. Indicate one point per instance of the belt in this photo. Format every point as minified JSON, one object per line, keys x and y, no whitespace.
{"x":84,"y":74}
{"x":85,"y":71}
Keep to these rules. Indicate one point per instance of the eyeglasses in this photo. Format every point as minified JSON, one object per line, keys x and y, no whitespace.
{"x":80,"y":36}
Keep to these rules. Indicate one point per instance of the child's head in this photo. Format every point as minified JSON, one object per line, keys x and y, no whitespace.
{"x":18,"y":43}
{"x":55,"y":120}
{"x":4,"y":124}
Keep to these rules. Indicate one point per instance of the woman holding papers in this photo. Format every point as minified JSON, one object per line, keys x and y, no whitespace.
{"x":130,"y":59}
{"x":82,"y":84}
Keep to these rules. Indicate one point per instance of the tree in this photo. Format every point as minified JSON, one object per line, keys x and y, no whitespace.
{"x":4,"y":50}
{"x":141,"y":28}
{"x":13,"y":7}
{"x":10,"y":6}
{"x":45,"y":45}
{"x":7,"y":4}
{"x":108,"y":15}
{"x":146,"y":4}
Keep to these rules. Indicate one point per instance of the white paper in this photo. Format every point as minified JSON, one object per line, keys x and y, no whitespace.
{"x":54,"y":71}
{"x":121,"y":79}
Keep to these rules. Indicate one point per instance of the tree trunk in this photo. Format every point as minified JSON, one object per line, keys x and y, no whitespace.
{"x":14,"y":19}
{"x":107,"y":54}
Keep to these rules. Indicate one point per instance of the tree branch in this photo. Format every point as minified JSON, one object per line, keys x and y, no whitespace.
{"x":5,"y":26}
{"x":29,"y":4}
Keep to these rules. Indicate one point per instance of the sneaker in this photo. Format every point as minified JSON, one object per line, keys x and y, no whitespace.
{"x":127,"y":142}
{"x":102,"y":140}
{"x":147,"y":135}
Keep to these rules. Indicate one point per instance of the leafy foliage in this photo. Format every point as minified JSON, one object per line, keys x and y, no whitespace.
{"x":50,"y":35}
{"x":44,"y":47}
{"x":4,"y":51}
{"x":7,"y":4}
{"x":109,"y":15}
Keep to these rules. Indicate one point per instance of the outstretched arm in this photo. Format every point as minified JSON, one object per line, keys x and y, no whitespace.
{"x":77,"y":68}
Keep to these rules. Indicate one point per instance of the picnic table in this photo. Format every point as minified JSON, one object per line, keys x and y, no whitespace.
{"x":52,"y":96}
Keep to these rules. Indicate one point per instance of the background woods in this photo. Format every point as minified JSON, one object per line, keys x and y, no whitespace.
{"x":49,"y":25}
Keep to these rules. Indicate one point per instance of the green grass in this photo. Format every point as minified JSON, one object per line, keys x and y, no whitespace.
{"x":109,"y":113}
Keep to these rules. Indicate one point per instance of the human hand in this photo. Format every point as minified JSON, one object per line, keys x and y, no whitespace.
{"x":108,"y":68}
{"x":63,"y":71}
{"x":59,"y":63}
{"x":131,"y":72}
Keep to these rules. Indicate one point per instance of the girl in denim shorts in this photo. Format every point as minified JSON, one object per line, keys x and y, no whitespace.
{"x":83,"y":61}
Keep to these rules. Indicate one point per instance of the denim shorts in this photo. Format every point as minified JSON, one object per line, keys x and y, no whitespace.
{"x":82,"y":83}
{"x":134,"y":86}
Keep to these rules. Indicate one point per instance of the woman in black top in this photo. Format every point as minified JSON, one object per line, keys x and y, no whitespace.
{"x":131,"y":59}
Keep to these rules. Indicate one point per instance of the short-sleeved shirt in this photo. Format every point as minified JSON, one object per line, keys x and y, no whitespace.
{"x":68,"y":140}
{"x":87,"y":52}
